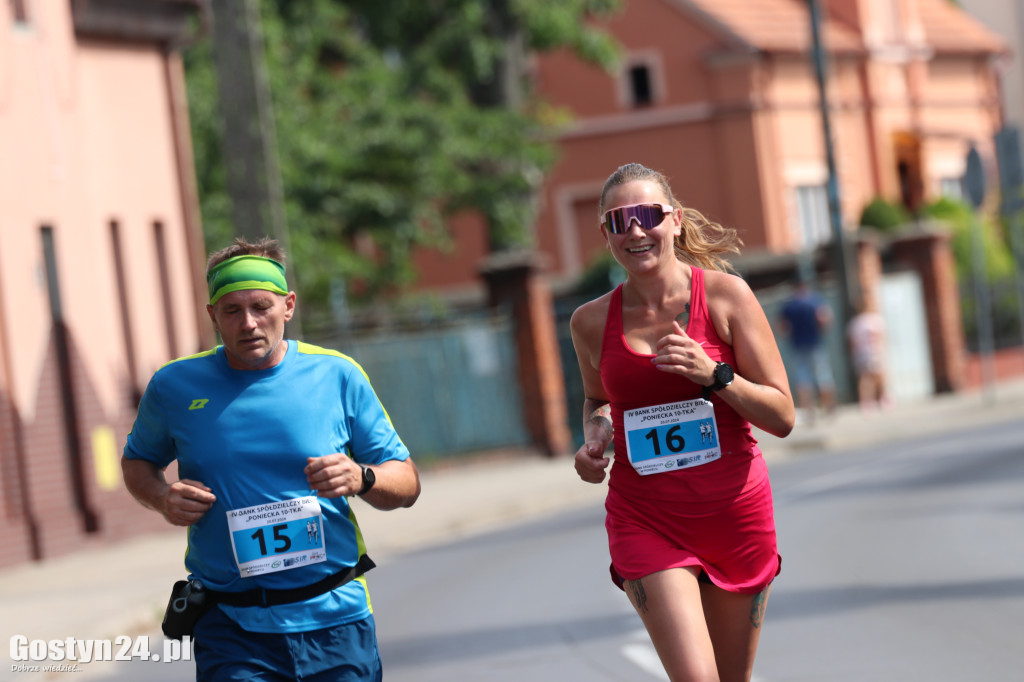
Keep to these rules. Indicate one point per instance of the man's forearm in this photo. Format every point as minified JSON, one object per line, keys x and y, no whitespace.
{"x":397,"y":485}
{"x":145,"y":481}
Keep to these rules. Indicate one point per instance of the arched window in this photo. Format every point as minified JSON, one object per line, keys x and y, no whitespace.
{"x":19,"y":11}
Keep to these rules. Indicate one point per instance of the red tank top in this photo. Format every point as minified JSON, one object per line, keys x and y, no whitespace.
{"x":630,"y":381}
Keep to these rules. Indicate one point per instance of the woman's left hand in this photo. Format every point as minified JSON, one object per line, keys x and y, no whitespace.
{"x":677,"y":353}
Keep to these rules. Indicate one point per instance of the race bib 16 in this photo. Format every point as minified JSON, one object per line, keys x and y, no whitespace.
{"x":672,"y":436}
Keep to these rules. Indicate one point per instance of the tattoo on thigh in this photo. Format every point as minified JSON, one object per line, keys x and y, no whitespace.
{"x":639,"y":595}
{"x":757,"y":609}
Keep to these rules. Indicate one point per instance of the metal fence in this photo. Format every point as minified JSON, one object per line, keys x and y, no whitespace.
{"x":449,"y":389}
{"x":453,"y":387}
{"x":1002,"y":319}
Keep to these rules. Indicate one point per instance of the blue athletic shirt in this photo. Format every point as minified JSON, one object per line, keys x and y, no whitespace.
{"x":246,"y":434}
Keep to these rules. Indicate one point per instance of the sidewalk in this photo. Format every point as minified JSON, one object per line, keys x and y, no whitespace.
{"x":850,"y":427}
{"x":122,"y":589}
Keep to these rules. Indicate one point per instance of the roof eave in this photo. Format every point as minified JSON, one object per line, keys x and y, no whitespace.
{"x":732,"y":39}
{"x":167,"y":22}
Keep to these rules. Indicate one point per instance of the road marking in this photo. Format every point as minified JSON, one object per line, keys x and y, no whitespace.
{"x":644,"y":657}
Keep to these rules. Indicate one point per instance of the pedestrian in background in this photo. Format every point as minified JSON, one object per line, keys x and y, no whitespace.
{"x":805,"y":318}
{"x":271,"y":437}
{"x":866,"y":336}
{"x":682,"y":345}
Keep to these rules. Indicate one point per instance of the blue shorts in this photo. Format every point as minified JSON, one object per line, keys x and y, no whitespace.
{"x":345,"y":653}
{"x":811,"y":368}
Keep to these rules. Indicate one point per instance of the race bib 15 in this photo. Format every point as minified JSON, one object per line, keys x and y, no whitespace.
{"x":277,"y":536}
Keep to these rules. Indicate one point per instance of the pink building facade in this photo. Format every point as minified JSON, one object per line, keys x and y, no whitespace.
{"x":721,"y":96}
{"x":100,"y":256}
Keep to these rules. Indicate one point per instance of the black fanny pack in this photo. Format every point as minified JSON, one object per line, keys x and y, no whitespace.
{"x":190,"y":599}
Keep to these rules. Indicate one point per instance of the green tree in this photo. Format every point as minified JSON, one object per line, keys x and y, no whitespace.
{"x":998,"y":264}
{"x":884,"y":215}
{"x":958,"y":215}
{"x":391,"y":116}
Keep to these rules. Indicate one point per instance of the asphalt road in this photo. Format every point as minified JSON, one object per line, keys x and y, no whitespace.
{"x":900,"y":562}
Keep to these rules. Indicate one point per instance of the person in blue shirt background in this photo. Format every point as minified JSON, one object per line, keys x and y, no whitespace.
{"x":806,"y":317}
{"x":271,"y":437}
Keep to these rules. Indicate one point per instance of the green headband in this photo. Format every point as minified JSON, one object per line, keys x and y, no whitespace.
{"x":246,"y":272}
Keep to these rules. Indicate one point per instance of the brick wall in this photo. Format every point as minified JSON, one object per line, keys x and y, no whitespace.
{"x":16,"y":529}
{"x":549,"y":397}
{"x":61,"y":521}
{"x":118,"y":514}
{"x":51,"y":484}
{"x":514,"y":280}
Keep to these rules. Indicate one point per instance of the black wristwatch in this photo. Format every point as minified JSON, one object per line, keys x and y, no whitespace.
{"x":369,"y":478}
{"x":723,"y":376}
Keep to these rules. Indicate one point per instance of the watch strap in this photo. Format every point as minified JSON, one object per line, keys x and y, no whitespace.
{"x":717,"y":385}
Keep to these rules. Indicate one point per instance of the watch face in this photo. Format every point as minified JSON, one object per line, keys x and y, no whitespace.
{"x":369,"y":478}
{"x":723,"y":374}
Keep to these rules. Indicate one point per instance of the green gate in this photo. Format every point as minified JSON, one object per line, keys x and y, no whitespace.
{"x":449,"y":389}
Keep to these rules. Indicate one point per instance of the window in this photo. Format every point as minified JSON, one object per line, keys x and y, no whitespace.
{"x":68,"y":394}
{"x":122,"y":302}
{"x":640,"y":90}
{"x":951,"y":187}
{"x":163,"y":271}
{"x":19,"y":11}
{"x":812,"y":215}
{"x":641,"y":82}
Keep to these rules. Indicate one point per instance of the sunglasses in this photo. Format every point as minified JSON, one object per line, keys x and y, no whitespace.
{"x":618,"y":220}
